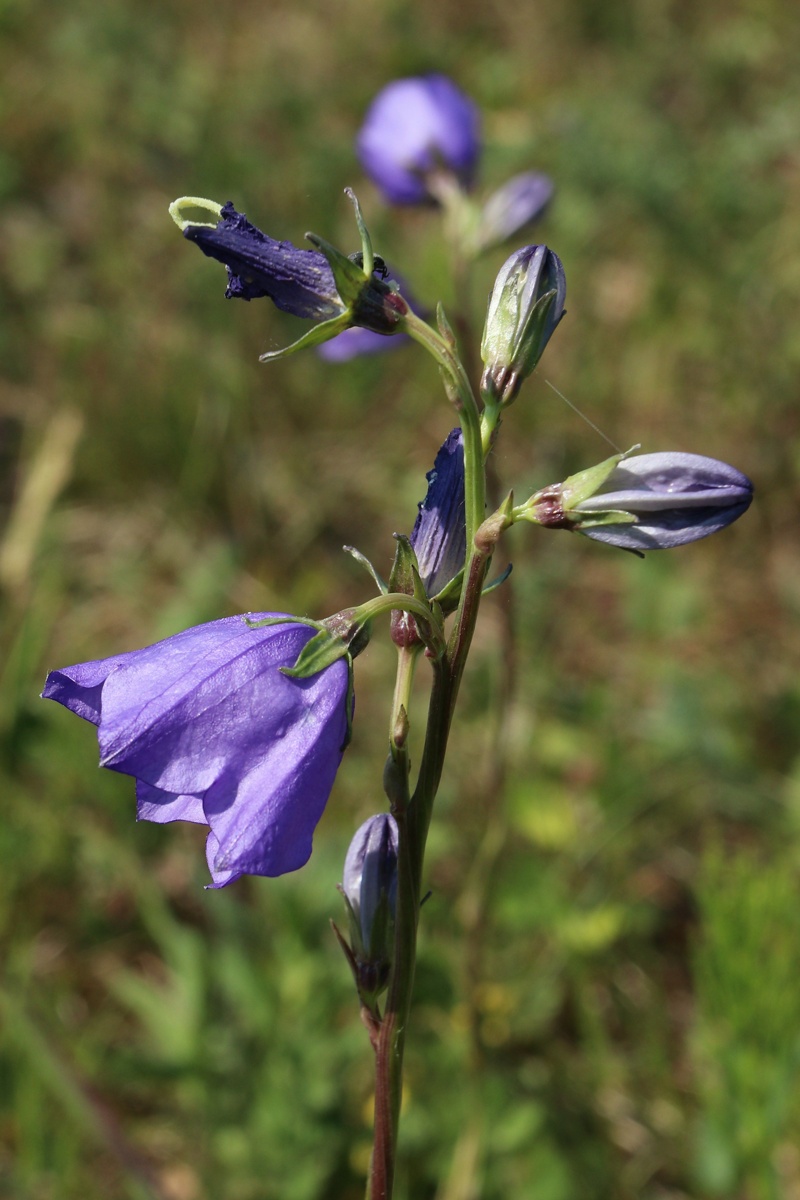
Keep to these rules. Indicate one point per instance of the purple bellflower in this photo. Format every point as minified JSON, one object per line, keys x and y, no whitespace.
{"x":415,"y":127}
{"x":439,"y":536}
{"x":214,"y":733}
{"x":673,"y":498}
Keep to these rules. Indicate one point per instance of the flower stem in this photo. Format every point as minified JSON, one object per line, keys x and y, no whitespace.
{"x":413,"y":822}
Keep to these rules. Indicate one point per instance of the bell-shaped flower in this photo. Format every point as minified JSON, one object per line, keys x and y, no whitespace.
{"x":214,"y":733}
{"x":520,"y":201}
{"x":663,"y":500}
{"x":526,"y":305}
{"x":413,"y":128}
{"x":439,"y":536}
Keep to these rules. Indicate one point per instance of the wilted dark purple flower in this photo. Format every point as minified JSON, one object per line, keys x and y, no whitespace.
{"x":416,"y":126}
{"x":674,"y":497}
{"x":370,"y":874}
{"x":439,"y":536}
{"x":214,"y":733}
{"x":526,"y":305}
{"x":298,"y":281}
{"x":516,"y":204}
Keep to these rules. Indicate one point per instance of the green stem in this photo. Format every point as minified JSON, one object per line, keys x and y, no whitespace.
{"x":413,"y":817}
{"x":413,"y":822}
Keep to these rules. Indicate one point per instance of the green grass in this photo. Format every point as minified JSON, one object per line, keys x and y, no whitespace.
{"x":606,"y":1002}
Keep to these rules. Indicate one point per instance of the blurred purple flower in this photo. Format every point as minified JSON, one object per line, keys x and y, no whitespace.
{"x":214,"y":733}
{"x":416,"y":126}
{"x":354,"y":343}
{"x":439,"y":536}
{"x":675,"y":497}
{"x":520,"y":201}
{"x":298,"y":281}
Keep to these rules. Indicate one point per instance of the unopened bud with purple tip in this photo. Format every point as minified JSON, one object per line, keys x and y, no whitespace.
{"x":369,"y":888}
{"x":647,"y":502}
{"x":520,"y":201}
{"x":526,"y":305}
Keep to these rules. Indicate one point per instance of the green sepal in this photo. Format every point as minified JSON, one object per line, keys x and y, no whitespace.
{"x":283,"y":621}
{"x":445,"y":328}
{"x":367,"y":253}
{"x":581,"y":520}
{"x":383,"y":587}
{"x":528,"y":351}
{"x":320,"y":652}
{"x":348,"y":276}
{"x":450,"y":594}
{"x":405,"y":568}
{"x":587,"y":483}
{"x":319,"y":333}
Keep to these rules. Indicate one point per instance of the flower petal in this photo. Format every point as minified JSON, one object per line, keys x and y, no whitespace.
{"x":153,"y":804}
{"x":298,"y":281}
{"x":669,"y":528}
{"x":439,"y":535}
{"x":175,"y":713}
{"x":265,"y":819}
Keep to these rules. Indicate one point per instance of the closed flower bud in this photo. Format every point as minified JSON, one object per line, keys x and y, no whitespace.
{"x":214,"y":732}
{"x":369,"y":887}
{"x":516,"y":204}
{"x":647,"y":502}
{"x":525,"y":306}
{"x":672,"y":498}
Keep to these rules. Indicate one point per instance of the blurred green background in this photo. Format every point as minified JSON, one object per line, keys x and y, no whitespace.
{"x":607,"y":1001}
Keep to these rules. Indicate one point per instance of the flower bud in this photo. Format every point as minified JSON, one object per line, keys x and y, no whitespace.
{"x":525,"y":306}
{"x":647,"y":502}
{"x":520,"y":201}
{"x":369,"y":887}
